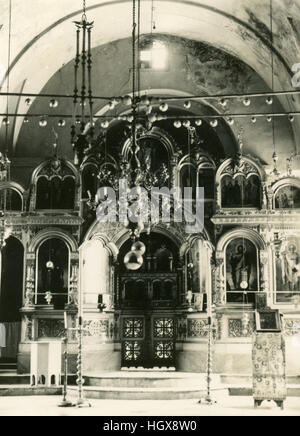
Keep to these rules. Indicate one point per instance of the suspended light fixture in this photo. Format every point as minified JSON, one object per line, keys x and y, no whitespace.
{"x":139,"y":246}
{"x":104,"y":124}
{"x":133,"y":260}
{"x":6,"y":121}
{"x":247,"y":102}
{"x":127,"y":100}
{"x":186,"y":123}
{"x":84,"y":95}
{"x":61,"y":123}
{"x":43,"y":122}
{"x":291,"y":118}
{"x":53,"y":103}
{"x":223,"y":102}
{"x":269,"y":101}
{"x":163,"y":107}
{"x":145,"y":100}
{"x":275,"y":159}
{"x":111,"y":105}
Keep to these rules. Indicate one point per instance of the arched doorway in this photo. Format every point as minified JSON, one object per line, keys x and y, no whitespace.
{"x":147,"y":300}
{"x":11,"y":295}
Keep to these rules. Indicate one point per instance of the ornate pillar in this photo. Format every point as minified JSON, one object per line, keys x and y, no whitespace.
{"x":73,"y":289}
{"x":264,"y":273}
{"x":264,"y":203}
{"x":270,"y":198}
{"x":32,"y":197}
{"x":220,"y":280}
{"x":30,"y":282}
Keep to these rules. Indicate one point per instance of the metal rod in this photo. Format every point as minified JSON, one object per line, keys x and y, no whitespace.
{"x":186,"y":97}
{"x":81,"y":402}
{"x":166,"y":117}
{"x":65,"y":402}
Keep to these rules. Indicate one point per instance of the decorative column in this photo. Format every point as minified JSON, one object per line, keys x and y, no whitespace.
{"x":73,"y":290}
{"x":30,"y":282}
{"x":220,"y":280}
{"x":264,"y":280}
{"x":264,"y":202}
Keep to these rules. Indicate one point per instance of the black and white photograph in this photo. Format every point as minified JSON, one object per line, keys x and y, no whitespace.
{"x":149,"y":211}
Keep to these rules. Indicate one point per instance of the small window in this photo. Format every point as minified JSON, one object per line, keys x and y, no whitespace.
{"x":154,"y":57}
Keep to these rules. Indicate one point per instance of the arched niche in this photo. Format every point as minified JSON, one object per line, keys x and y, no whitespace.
{"x":52,"y":272}
{"x":286,"y":193}
{"x":239,"y":183}
{"x":54,"y":186}
{"x":94,"y":271}
{"x":11,"y":200}
{"x":12,"y":272}
{"x":197,"y":260}
{"x":160,"y":143}
{"x":55,"y":193}
{"x":240,"y":270}
{"x":162,"y":254}
{"x":11,"y":197}
{"x":188,"y":176}
{"x":198,"y":170}
{"x":155,"y":283}
{"x":52,"y":232}
{"x":206,"y":179}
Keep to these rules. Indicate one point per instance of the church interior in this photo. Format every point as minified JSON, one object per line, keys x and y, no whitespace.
{"x":160,"y":93}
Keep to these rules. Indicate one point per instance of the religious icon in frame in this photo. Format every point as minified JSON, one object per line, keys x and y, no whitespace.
{"x":268,"y":321}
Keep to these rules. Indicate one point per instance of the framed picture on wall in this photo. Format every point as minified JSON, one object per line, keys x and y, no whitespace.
{"x":268,"y":321}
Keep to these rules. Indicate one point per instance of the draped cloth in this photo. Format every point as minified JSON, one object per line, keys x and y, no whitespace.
{"x":269,"y":366}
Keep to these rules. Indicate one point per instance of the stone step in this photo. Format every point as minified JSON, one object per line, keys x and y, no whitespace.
{"x":149,"y":380}
{"x":8,"y":366}
{"x":26,"y":390}
{"x":12,"y":378}
{"x":117,"y":393}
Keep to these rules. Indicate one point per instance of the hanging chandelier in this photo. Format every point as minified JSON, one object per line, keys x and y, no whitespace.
{"x":134,"y":168}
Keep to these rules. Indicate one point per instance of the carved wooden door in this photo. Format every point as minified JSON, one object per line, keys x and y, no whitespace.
{"x":148,"y":341}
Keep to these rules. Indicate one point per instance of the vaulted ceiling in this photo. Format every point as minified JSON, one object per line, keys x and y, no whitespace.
{"x":215,"y":47}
